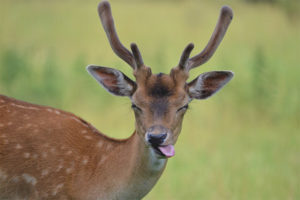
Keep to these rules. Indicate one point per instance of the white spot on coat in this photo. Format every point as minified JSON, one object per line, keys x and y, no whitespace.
{"x":24,"y":107}
{"x":57,"y":188}
{"x":57,"y":112}
{"x":19,"y":128}
{"x":87,"y":137}
{"x":26,"y":155}
{"x":29,"y":179}
{"x":44,"y":155}
{"x":100,"y":144}
{"x":103,"y":158}
{"x":85,"y":161}
{"x":46,"y":145}
{"x":69,"y":170}
{"x":34,"y":156}
{"x":45,"y":172}
{"x":52,"y":150}
{"x":18,"y":146}
{"x":108,"y":147}
{"x":59,"y":167}
{"x":3,"y":175}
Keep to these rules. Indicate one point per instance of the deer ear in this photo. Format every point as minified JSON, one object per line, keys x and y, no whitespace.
{"x":207,"y":84}
{"x":112,"y":80}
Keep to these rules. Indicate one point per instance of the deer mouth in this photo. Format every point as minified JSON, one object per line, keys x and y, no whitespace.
{"x":167,"y":151}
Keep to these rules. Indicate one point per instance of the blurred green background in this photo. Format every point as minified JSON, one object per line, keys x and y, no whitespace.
{"x":243,"y":143}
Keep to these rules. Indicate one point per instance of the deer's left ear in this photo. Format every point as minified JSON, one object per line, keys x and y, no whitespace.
{"x":207,"y":84}
{"x":113,"y":80}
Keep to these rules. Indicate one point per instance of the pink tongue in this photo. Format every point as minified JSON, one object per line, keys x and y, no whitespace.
{"x":168,"y":150}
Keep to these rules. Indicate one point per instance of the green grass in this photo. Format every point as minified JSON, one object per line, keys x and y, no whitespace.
{"x":243,"y":143}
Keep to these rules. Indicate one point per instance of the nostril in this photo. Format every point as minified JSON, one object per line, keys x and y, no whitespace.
{"x":156,"y":139}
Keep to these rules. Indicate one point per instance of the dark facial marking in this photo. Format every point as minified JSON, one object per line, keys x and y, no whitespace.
{"x":159,"y":90}
{"x":160,"y":75}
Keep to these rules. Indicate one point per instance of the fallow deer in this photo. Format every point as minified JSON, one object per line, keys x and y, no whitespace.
{"x":46,"y":153}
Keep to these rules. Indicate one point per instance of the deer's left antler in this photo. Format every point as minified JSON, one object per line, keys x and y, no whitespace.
{"x":225,"y":18}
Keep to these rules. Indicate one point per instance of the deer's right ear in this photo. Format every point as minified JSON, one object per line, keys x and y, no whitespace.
{"x":113,"y":80}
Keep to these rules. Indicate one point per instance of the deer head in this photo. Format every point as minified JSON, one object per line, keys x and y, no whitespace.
{"x":160,"y":101}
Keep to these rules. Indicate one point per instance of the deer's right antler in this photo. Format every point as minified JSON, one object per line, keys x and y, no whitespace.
{"x":134,"y":60}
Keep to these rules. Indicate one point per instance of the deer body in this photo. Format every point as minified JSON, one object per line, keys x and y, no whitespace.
{"x":46,"y":153}
{"x":61,"y":156}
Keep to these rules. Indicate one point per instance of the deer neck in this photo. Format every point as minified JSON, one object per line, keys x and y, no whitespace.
{"x":133,"y":168}
{"x":144,"y":158}
{"x":144,"y":169}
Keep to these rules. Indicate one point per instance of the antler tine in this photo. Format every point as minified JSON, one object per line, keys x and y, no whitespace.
{"x":107,"y":20}
{"x":185,"y":56}
{"x":225,"y":18}
{"x":137,"y":55}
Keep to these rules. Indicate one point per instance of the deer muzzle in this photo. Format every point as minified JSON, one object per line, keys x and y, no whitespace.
{"x":157,"y":136}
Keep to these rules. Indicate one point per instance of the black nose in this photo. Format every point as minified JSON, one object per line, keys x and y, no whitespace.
{"x":157,"y":134}
{"x":156,"y":139}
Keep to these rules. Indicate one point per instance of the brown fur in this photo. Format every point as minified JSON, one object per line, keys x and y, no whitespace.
{"x":66,"y":156}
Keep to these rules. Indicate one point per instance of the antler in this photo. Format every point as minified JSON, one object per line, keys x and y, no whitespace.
{"x":107,"y":20}
{"x":225,"y":18}
{"x":137,"y":55}
{"x":185,"y":55}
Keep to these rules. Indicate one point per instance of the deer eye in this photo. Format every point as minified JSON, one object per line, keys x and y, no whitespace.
{"x":134,"y":107}
{"x":185,"y":107}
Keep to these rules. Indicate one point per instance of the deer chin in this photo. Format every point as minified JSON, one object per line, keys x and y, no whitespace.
{"x":166,"y":151}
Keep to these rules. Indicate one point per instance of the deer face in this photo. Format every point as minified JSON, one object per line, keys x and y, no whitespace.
{"x":160,"y":100}
{"x":159,"y":106}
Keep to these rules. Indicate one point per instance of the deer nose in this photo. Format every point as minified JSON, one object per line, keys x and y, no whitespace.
{"x":156,"y":135}
{"x":156,"y":139}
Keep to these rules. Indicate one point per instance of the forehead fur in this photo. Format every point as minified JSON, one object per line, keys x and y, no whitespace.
{"x":160,"y":85}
